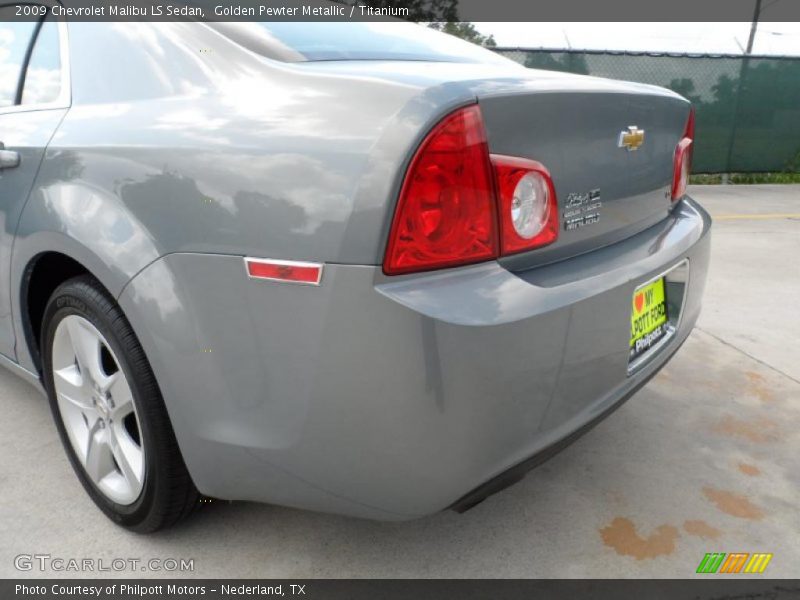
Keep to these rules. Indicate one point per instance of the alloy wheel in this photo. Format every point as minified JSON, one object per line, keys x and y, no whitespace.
{"x":98,"y":410}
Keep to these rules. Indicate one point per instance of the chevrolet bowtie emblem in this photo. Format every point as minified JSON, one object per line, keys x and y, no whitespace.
{"x":631,"y":139}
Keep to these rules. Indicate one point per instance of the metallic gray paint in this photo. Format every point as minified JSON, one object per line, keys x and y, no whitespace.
{"x":27,"y":133}
{"x":368,"y":395}
{"x":392,"y":398}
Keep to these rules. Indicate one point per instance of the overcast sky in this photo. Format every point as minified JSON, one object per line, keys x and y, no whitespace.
{"x":771,"y":38}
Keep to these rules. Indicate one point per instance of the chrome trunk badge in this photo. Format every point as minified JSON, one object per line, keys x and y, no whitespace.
{"x":582,"y":209}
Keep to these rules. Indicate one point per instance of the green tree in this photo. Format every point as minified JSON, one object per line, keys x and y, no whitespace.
{"x":465,"y":31}
{"x":685,"y":87}
{"x":567,"y":61}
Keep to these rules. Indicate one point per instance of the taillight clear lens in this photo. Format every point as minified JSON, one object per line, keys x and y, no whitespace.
{"x":527,"y":204}
{"x":446,"y":212}
{"x":682,"y":162}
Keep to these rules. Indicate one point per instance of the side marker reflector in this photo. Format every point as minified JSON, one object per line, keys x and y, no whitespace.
{"x":288,"y":271}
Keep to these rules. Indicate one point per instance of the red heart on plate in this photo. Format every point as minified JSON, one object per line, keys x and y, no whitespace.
{"x":638,"y":301}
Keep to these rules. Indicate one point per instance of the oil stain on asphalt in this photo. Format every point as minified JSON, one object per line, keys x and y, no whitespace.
{"x":758,"y":387}
{"x":733,"y":504}
{"x":748,"y":469}
{"x":701,"y":529}
{"x":621,"y":535}
{"x":759,"y":430}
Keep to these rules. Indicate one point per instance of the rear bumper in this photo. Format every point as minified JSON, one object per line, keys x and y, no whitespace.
{"x":518,"y":471}
{"x":394,"y":398}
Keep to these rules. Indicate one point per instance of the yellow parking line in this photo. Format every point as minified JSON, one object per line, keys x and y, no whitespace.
{"x":756,"y":217}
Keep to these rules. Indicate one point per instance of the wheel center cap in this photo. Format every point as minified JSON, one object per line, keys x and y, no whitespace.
{"x":102,"y":406}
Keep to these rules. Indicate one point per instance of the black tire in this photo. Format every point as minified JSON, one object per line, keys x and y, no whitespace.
{"x":168,"y":494}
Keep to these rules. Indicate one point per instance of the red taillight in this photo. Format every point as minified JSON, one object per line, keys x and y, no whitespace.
{"x":284,"y":270}
{"x":682,"y":162}
{"x":446,"y":212}
{"x":527,"y":204}
{"x":689,"y":129}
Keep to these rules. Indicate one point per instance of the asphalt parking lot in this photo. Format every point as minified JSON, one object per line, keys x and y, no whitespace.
{"x":706,"y":458}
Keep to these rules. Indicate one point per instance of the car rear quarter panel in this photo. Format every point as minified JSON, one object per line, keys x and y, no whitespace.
{"x":212,"y":149}
{"x":178,"y":140}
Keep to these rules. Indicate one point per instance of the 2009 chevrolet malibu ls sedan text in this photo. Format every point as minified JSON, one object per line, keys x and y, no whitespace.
{"x":367,"y":269}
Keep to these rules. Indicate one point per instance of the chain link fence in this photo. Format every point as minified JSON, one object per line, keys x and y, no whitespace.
{"x":748,"y":108}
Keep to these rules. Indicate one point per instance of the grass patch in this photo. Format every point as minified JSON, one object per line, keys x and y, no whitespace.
{"x":744,"y":178}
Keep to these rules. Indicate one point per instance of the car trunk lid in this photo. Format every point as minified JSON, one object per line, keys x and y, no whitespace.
{"x":610,"y":153}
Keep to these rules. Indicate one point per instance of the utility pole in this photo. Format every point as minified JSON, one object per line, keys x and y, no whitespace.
{"x":742,"y":79}
{"x":753,"y":28}
{"x":566,"y":37}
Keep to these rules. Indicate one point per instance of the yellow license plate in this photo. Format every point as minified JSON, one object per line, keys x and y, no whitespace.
{"x":648,"y":317}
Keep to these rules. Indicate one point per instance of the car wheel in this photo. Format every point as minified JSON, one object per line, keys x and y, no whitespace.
{"x":109,"y":411}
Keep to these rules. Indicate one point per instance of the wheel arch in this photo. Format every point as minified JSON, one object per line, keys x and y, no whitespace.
{"x":68,"y":227}
{"x":43,"y":274}
{"x":39,"y":265}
